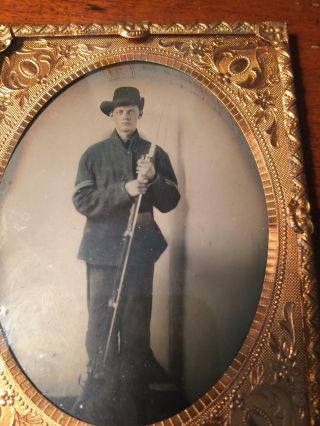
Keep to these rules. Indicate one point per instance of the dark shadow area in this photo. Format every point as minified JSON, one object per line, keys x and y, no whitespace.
{"x":163,"y":399}
{"x":177,"y":280}
{"x":204,"y":358}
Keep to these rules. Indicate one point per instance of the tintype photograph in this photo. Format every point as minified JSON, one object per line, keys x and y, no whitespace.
{"x":155,"y":247}
{"x":190,"y":262}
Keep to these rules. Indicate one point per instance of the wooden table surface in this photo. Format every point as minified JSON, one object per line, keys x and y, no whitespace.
{"x":302,"y":16}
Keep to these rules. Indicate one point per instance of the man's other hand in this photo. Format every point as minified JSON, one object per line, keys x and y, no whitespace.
{"x":137,"y":186}
{"x":145,"y":169}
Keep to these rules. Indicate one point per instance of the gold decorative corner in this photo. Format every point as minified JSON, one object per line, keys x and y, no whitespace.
{"x":242,"y":68}
{"x":6,"y":37}
{"x":274,"y":32}
{"x":35,"y":65}
{"x":134,"y":31}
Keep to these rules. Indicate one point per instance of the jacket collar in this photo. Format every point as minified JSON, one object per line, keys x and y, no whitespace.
{"x":132,"y":145}
{"x":119,"y":143}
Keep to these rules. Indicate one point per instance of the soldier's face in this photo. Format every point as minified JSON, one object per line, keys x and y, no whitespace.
{"x":125,"y":118}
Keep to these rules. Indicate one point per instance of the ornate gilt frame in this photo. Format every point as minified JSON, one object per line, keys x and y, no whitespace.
{"x":274,"y":377}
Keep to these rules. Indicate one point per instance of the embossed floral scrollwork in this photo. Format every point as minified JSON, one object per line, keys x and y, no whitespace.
{"x":267,"y":114}
{"x":5,"y":37}
{"x":264,"y":100}
{"x":284,"y":367}
{"x":246,"y":69}
{"x":199,"y":50}
{"x":267,"y":406}
{"x":28,"y":67}
{"x":23,"y":70}
{"x":253,"y":77}
{"x":34,"y":65}
{"x":274,"y":401}
{"x":66,"y":52}
{"x":5,"y":103}
{"x":299,"y":215}
{"x":247,"y":65}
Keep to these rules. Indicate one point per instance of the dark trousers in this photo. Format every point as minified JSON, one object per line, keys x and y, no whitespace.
{"x":126,"y":382}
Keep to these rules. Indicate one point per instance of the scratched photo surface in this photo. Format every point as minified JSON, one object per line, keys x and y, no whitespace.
{"x":208,"y":281}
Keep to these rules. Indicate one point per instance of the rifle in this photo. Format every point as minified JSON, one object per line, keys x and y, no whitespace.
{"x":127,"y":239}
{"x":93,"y":394}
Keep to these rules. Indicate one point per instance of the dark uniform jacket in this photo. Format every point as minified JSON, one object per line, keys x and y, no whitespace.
{"x":101,"y":196}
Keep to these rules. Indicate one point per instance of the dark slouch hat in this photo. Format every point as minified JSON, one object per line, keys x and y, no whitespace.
{"x":123,"y":96}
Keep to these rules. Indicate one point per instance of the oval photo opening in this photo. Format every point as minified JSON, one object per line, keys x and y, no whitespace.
{"x":195,"y":270}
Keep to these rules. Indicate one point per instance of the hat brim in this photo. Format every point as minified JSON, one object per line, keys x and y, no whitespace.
{"x":108,"y":106}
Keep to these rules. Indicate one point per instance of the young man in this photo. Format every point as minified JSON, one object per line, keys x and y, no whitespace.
{"x":111,"y":174}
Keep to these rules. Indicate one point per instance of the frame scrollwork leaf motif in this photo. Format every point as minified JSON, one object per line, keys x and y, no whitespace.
{"x":200,"y":51}
{"x":29,"y":66}
{"x":246,"y":67}
{"x":34,"y":65}
{"x":284,"y":368}
{"x":67,"y":52}
{"x":24,"y":69}
{"x":267,"y":115}
{"x":274,"y":402}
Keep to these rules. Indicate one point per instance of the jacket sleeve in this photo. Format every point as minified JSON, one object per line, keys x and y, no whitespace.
{"x":164,"y":189}
{"x":92,"y":201}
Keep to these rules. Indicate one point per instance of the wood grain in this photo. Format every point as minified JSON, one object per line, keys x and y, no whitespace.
{"x":303,"y":18}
